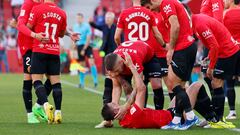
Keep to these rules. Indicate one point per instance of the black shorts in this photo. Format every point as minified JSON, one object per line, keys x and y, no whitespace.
{"x":27,"y":61}
{"x":183,"y":62}
{"x":88,"y":52}
{"x":152,"y":69}
{"x":45,"y":64}
{"x":164,"y":66}
{"x":226,"y":68}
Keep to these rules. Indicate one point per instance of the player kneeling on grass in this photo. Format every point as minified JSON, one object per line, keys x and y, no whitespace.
{"x":133,"y":114}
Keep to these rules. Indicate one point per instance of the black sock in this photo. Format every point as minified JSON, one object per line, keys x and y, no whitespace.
{"x":40,"y":92}
{"x":209,"y":83}
{"x":231,"y":95}
{"x":218,"y":101}
{"x":171,"y":96}
{"x":158,"y":98}
{"x":57,"y":95}
{"x":48,"y":86}
{"x":203,"y":101}
{"x":182,"y":98}
{"x":27,"y":95}
{"x":107,"y":94}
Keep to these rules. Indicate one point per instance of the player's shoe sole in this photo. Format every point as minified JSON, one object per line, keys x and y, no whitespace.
{"x":105,"y":124}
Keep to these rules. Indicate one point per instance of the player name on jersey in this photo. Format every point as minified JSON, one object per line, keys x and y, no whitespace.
{"x":52,"y":15}
{"x":137,"y":14}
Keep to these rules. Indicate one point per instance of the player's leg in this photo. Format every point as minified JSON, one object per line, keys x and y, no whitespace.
{"x":178,"y":73}
{"x":92,"y":64}
{"x":53,"y":71}
{"x":81,"y":60}
{"x":152,"y":72}
{"x":27,"y":88}
{"x":231,"y":95}
{"x":38,"y":70}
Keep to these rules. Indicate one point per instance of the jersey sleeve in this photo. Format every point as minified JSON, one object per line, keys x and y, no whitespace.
{"x":217,"y":10}
{"x":33,"y":17}
{"x":169,"y":8}
{"x":208,"y":38}
{"x":23,"y":18}
{"x":152,"y":19}
{"x":64,"y":23}
{"x":120,"y":22}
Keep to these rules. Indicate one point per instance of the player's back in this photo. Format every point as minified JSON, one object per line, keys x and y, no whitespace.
{"x":50,"y":20}
{"x":232,"y":22}
{"x":210,"y":6}
{"x":222,"y":35}
{"x":146,"y":118}
{"x":136,"y":23}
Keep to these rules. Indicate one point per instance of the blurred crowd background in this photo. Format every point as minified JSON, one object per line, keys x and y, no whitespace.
{"x":10,"y":57}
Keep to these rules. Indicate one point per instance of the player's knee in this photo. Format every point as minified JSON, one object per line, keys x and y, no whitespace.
{"x":156,"y":83}
{"x":37,"y":84}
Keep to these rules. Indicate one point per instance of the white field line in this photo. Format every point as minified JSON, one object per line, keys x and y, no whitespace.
{"x":123,"y":99}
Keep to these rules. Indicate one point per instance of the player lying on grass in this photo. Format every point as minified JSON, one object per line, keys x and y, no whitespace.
{"x":133,"y":114}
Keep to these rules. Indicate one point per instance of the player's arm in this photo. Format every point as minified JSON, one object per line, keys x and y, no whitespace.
{"x":174,"y":30}
{"x":119,"y":30}
{"x":207,"y":36}
{"x":117,"y":36}
{"x":117,"y":91}
{"x":217,"y":12}
{"x":158,"y":36}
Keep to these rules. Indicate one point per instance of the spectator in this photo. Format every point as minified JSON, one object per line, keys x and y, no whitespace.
{"x":16,"y":4}
{"x":99,"y":15}
{"x":108,"y":30}
{"x":3,"y":56}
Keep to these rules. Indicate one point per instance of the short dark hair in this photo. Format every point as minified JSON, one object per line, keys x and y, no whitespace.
{"x":80,"y":14}
{"x":236,"y":2}
{"x":144,"y":2}
{"x":110,"y":61}
{"x":107,"y":112}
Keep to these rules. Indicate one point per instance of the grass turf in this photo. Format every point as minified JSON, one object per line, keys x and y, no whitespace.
{"x":81,"y":112}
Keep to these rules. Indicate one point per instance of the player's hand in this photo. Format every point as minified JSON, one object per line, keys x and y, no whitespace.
{"x":82,"y":52}
{"x":41,"y":37}
{"x":169,"y":56}
{"x":75,"y":36}
{"x":128,"y":60}
{"x":210,"y":73}
{"x":13,"y":23}
{"x":90,"y":19}
{"x":122,"y":111}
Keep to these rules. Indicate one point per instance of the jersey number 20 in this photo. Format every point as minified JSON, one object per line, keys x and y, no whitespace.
{"x":143,"y":31}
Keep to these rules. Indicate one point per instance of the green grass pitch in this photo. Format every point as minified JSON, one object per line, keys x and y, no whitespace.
{"x":81,"y":112}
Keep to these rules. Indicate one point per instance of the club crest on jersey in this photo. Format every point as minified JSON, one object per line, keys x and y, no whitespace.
{"x":133,"y":110}
{"x":207,"y":34}
{"x":215,"y":6}
{"x":167,"y":9}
